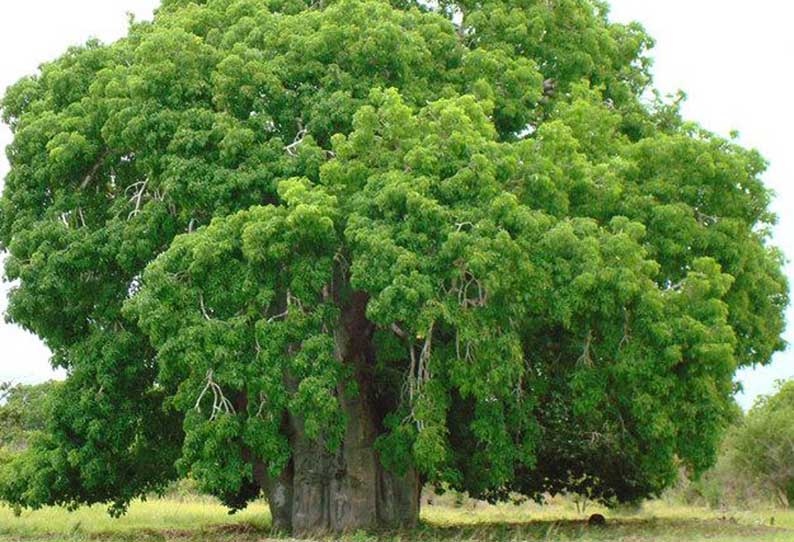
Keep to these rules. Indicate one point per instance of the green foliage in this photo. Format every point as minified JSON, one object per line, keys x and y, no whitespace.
{"x":757,"y":454}
{"x":24,"y":412}
{"x":563,"y":278}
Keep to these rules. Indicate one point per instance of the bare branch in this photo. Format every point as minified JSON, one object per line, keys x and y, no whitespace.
{"x":291,"y":301}
{"x":626,"y":329}
{"x":586,"y":358}
{"x":419,"y":373}
{"x":398,"y":331}
{"x":291,"y":148}
{"x":262,"y":403}
{"x":203,"y":307}
{"x":278,"y":316}
{"x":137,"y":198}
{"x":220,"y":404}
{"x":460,"y":225}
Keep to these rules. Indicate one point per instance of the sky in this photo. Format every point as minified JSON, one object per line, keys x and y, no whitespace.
{"x":732,"y":57}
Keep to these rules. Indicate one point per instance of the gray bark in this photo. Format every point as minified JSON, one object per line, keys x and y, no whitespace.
{"x":349,"y":489}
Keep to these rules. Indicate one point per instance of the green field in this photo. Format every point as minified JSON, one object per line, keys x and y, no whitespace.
{"x":199,"y":520}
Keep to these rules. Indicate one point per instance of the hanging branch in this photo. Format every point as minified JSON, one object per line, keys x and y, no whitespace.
{"x":137,"y":197}
{"x":291,"y":148}
{"x":419,"y":374}
{"x":463,"y":294}
{"x":586,"y":358}
{"x":262,"y":403}
{"x":626,"y":329}
{"x":423,"y":369}
{"x":469,"y":281}
{"x":469,"y":355}
{"x":203,"y":307}
{"x":220,"y":404}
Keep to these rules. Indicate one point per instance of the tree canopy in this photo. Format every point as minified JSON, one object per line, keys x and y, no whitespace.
{"x":274,"y":242}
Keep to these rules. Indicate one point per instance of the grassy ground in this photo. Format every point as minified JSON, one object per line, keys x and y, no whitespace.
{"x":203,"y":520}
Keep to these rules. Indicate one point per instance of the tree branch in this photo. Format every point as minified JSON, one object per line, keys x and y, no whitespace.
{"x":90,"y":176}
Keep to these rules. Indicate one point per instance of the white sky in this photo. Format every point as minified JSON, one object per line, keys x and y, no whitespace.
{"x":732,"y":57}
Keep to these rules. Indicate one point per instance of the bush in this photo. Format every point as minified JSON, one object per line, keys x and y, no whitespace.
{"x":756,"y":458}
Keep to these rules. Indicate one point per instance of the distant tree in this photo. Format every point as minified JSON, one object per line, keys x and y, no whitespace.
{"x":332,"y":251}
{"x":24,"y":411}
{"x":761,"y":448}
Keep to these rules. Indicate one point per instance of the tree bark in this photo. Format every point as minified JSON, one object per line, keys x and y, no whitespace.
{"x":348,"y":489}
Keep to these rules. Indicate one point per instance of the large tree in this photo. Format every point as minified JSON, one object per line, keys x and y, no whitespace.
{"x":334,"y":251}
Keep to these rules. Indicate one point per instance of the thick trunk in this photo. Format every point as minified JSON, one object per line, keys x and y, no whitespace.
{"x":279,"y":495}
{"x":348,"y":489}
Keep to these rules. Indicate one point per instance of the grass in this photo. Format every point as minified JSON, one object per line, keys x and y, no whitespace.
{"x":199,"y":520}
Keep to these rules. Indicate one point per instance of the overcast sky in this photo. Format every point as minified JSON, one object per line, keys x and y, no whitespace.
{"x":732,"y":57}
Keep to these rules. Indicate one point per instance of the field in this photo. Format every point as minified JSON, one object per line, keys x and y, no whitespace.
{"x":196,"y":519}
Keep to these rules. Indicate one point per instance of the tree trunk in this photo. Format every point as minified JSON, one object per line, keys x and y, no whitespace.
{"x":349,"y":489}
{"x":322,"y":492}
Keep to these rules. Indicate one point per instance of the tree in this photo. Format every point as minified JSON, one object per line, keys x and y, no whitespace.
{"x":335,"y":251}
{"x":24,"y":411}
{"x":760,"y":450}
